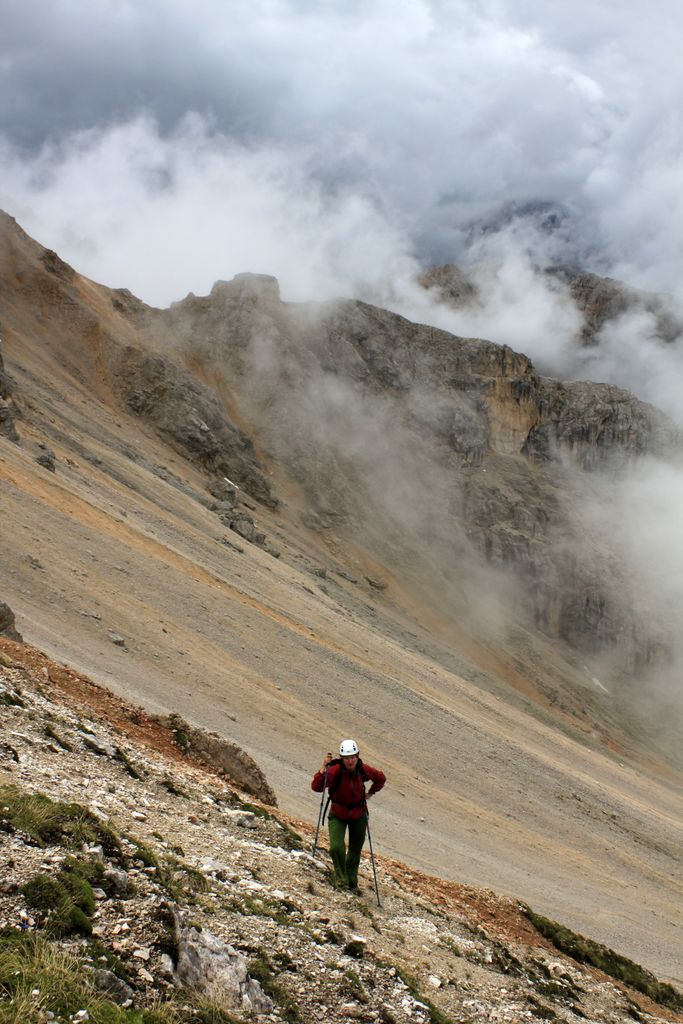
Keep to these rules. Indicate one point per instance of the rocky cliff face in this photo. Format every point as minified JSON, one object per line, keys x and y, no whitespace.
{"x":599,"y":300}
{"x":438,"y":452}
{"x":456,"y":445}
{"x":602,"y":299}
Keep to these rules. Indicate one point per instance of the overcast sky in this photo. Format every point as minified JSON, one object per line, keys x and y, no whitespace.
{"x":162,"y":145}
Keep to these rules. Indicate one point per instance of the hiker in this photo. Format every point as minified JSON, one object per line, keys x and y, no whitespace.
{"x":346,"y":778}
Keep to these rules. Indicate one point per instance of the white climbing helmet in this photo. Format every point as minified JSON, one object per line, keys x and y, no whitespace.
{"x":348,"y":748}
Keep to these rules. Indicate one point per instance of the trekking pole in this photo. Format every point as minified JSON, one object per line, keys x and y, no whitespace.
{"x":320,"y":812}
{"x":372,"y":856}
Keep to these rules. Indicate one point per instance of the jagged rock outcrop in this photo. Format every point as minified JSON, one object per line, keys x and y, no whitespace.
{"x":599,"y":300}
{"x":424,"y":446}
{"x":451,"y":284}
{"x":8,"y":623}
{"x":596,"y":425}
{"x":602,"y":299}
{"x":516,"y":449}
{"x":190,"y":416}
{"x":223,"y":756}
{"x":216,"y":970}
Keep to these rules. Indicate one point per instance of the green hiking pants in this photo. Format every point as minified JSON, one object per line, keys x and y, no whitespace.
{"x":346,"y":864}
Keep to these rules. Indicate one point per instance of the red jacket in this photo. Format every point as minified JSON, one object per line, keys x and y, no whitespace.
{"x":348,"y":795}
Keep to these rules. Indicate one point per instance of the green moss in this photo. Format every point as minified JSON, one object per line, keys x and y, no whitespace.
{"x":49,"y":822}
{"x":586,"y":951}
{"x":64,"y":904}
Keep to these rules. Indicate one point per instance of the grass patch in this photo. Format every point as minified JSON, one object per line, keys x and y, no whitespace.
{"x":291,"y":839}
{"x":586,"y":951}
{"x":104,"y":958}
{"x":64,"y":904}
{"x":52,"y":822}
{"x":210,"y":1013}
{"x":181,"y":738}
{"x":352,"y":987}
{"x":451,"y":945}
{"x":280,"y":911}
{"x":261,"y":970}
{"x":29,"y":963}
{"x":180,"y":880}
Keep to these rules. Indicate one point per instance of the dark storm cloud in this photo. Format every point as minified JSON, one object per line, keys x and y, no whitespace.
{"x":425,"y":115}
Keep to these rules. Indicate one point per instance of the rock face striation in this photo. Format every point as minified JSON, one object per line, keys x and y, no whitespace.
{"x":189,"y":415}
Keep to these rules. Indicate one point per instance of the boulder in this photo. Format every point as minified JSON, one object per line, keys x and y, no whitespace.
{"x":7,"y":427}
{"x":216,"y":970}
{"x":224,"y":756}
{"x":114,"y":988}
{"x":7,"y":624}
{"x":46,"y":459}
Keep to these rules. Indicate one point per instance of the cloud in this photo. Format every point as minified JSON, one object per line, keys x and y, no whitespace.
{"x":165,"y":215}
{"x":415,"y":116}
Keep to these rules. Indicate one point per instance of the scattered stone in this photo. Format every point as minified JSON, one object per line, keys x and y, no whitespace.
{"x":116,"y":989}
{"x":117,"y":640}
{"x":119,"y":880}
{"x":245,"y":819}
{"x":46,"y":459}
{"x":97,"y":746}
{"x":224,"y":490}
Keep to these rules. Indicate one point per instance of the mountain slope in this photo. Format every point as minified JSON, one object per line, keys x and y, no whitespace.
{"x":363,"y":447}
